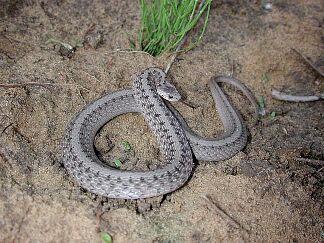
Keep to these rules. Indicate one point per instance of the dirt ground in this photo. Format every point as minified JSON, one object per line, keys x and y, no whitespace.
{"x":271,"y":191}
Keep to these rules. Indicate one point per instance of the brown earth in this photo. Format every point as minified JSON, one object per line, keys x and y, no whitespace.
{"x":263,"y":194}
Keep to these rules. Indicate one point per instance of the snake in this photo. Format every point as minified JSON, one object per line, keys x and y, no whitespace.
{"x":150,"y":95}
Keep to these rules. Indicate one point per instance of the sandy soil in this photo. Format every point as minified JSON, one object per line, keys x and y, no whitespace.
{"x":263,"y":194}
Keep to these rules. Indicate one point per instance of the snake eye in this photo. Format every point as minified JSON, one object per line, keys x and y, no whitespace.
{"x":170,"y":97}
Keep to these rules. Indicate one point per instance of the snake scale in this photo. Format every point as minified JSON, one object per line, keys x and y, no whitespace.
{"x":176,"y":139}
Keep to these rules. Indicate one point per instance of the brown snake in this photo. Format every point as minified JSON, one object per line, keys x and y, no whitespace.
{"x":173,"y":134}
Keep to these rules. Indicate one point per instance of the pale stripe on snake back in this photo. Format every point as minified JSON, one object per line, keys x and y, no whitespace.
{"x":168,"y":126}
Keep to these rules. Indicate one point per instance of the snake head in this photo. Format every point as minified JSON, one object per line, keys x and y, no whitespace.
{"x":168,"y":91}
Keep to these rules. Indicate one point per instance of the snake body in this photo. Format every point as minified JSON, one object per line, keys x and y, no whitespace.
{"x":176,"y":139}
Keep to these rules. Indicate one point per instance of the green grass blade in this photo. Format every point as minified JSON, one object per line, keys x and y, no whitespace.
{"x":165,"y":23}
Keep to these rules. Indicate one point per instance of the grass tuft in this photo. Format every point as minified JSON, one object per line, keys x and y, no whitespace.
{"x":165,"y":23}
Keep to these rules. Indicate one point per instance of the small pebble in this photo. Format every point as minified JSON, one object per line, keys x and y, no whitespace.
{"x":267,"y":6}
{"x":94,"y":39}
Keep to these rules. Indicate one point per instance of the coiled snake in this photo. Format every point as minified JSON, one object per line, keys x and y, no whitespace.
{"x":174,"y":136}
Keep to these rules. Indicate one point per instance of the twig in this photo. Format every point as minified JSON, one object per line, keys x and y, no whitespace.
{"x":92,"y":76}
{"x":23,"y":136}
{"x":188,"y":104}
{"x":3,"y":131}
{"x":306,"y":59}
{"x":174,"y":56}
{"x":309,"y":161}
{"x":296,"y":98}
{"x":129,"y":51}
{"x":26,"y":84}
{"x":221,"y":211}
{"x":91,"y":28}
{"x":44,"y":85}
{"x":9,"y":38}
{"x":320,"y":169}
{"x":98,"y":214}
{"x":232,"y":64}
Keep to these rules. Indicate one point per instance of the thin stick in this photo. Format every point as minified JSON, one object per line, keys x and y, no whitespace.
{"x":174,"y":56}
{"x":306,"y":59}
{"x":45,"y":85}
{"x":309,"y":161}
{"x":129,"y":51}
{"x":188,"y":104}
{"x":26,"y":84}
{"x":221,"y":211}
{"x":6,"y":128}
{"x":295,"y":98}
